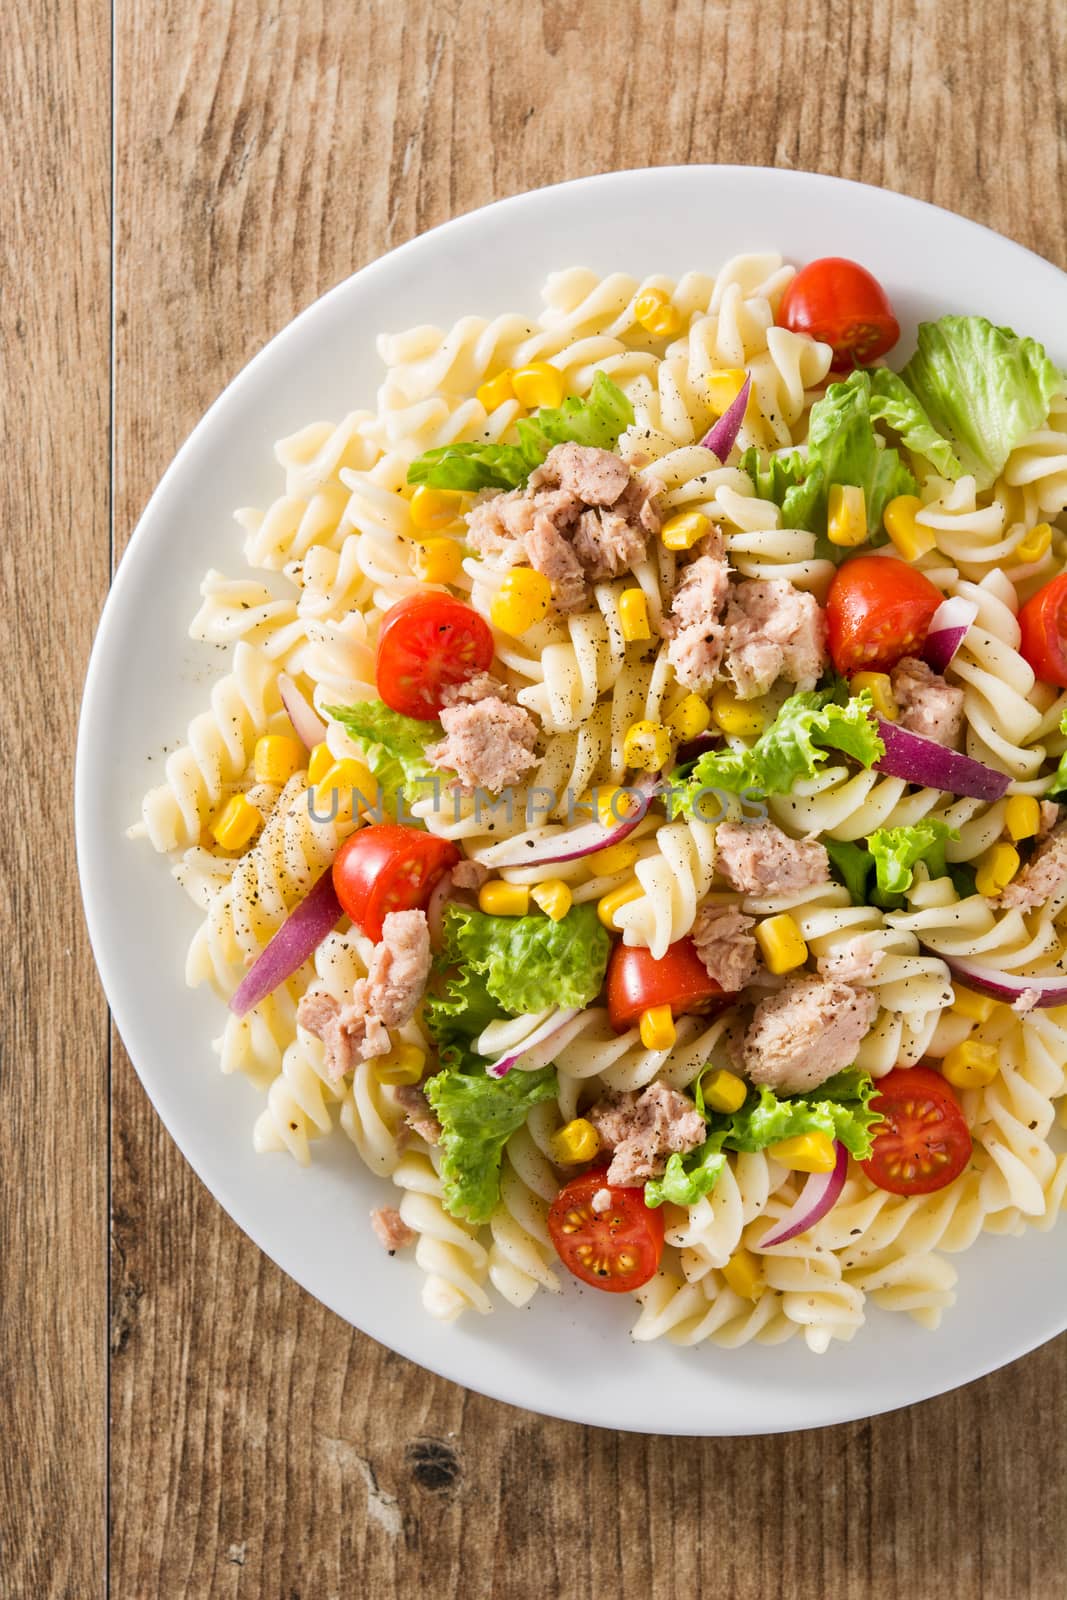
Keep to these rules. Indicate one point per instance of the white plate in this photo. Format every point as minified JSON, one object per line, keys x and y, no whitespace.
{"x":569,"y":1357}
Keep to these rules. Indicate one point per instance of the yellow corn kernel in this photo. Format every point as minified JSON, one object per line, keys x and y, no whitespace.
{"x":970,"y":1065}
{"x":657,"y":1028}
{"x":554,"y":897}
{"x":746,"y":717}
{"x":405,"y":1063}
{"x":500,"y":899}
{"x":320,"y":761}
{"x":276,"y":758}
{"x":724,"y":387}
{"x":612,"y":902}
{"x":538,"y":385}
{"x":615,"y":859}
{"x":975,"y":1007}
{"x":351,"y":779}
{"x":996,"y":870}
{"x":881,"y":686}
{"x":846,"y":515}
{"x":647,"y":746}
{"x":434,"y":509}
{"x":782,"y":943}
{"x":911,"y":539}
{"x":690,"y":718}
{"x":614,"y":806}
{"x":657,"y":316}
{"x":1035,"y":544}
{"x":633,"y":615}
{"x":438,"y":560}
{"x":576,"y":1141}
{"x":742,"y":1274}
{"x":806,"y":1152}
{"x":1022,"y":817}
{"x":521,"y":601}
{"x":497,"y":390}
{"x":724,"y":1091}
{"x":236,"y":823}
{"x":684,"y":530}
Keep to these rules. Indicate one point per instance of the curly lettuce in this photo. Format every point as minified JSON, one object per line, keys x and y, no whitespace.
{"x":395,"y":750}
{"x":1058,"y":786}
{"x":530,"y":963}
{"x":893,"y":403}
{"x":478,"y":1115}
{"x":897,"y":851}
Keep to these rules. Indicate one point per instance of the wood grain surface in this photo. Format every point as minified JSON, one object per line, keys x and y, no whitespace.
{"x":263,"y":150}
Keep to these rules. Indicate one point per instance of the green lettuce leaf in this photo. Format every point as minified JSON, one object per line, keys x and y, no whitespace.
{"x":456,"y":1008}
{"x":530,"y":963}
{"x":1058,"y":785}
{"x":471,"y":465}
{"x":897,"y":850}
{"x":893,"y":403}
{"x":395,"y":750}
{"x":982,"y":387}
{"x":478,"y":1115}
{"x":852,"y":863}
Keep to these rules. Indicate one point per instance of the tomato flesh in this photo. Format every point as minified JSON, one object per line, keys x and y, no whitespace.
{"x":618,"y":1249}
{"x":878,"y":611}
{"x":636,"y":981}
{"x":389,"y":868}
{"x":840,"y":303}
{"x":428,"y":643}
{"x":924,"y":1142}
{"x":1043,"y":625}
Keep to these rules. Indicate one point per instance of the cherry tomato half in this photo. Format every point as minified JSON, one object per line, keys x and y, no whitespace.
{"x":388,"y":868}
{"x":427,"y":643}
{"x":1043,"y":624}
{"x":878,"y":610}
{"x":636,"y":980}
{"x":839,"y":302}
{"x":924,"y":1142}
{"x":618,"y":1249}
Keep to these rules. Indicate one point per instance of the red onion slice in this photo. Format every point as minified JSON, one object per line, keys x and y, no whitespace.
{"x":299,"y":936}
{"x":526,"y":850}
{"x":721,"y":439}
{"x":818,"y":1195}
{"x":308,"y":725}
{"x":1006,"y":985}
{"x":949,"y":626}
{"x":923,"y":761}
{"x":551,"y":1026}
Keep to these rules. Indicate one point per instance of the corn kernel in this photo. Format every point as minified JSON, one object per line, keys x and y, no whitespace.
{"x":684,"y":530}
{"x":538,"y":385}
{"x":880,"y":685}
{"x":1035,"y":544}
{"x":657,"y":1028}
{"x":521,"y":601}
{"x":438,"y":560}
{"x":724,"y":1091}
{"x":690,"y":718}
{"x":975,"y":1007}
{"x":846,"y":515}
{"x":497,"y":390}
{"x":745,"y":717}
{"x":633,"y":615}
{"x":806,"y":1152}
{"x":911,"y":539}
{"x":236,"y":823}
{"x":612,"y":902}
{"x":724,"y":387}
{"x":351,"y":779}
{"x":434,"y":509}
{"x":405,"y":1063}
{"x":320,"y":761}
{"x":1022,"y":816}
{"x":276,"y":758}
{"x":782,"y":943}
{"x":996,"y":870}
{"x":554,"y":897}
{"x":614,"y":806}
{"x":615,"y":859}
{"x":742,"y":1274}
{"x":647,"y":746}
{"x":500,"y":899}
{"x":576,"y":1141}
{"x":970,"y":1065}
{"x":653,"y":310}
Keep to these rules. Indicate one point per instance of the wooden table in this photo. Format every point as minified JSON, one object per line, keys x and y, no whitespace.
{"x":165,"y":210}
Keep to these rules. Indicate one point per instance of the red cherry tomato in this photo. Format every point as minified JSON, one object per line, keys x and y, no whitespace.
{"x":839,"y":302}
{"x":924,"y":1142}
{"x":636,"y":980}
{"x":388,"y":868}
{"x":427,"y":643}
{"x":878,"y":610}
{"x":1043,"y":623}
{"x":618,"y":1249}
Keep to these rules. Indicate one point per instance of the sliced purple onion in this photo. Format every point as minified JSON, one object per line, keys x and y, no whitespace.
{"x":924,"y":761}
{"x":526,"y":850}
{"x":818,"y":1195}
{"x":299,"y":937}
{"x":309,"y":726}
{"x":949,"y":626}
{"x":1006,"y":985}
{"x":721,"y":439}
{"x":548,"y":1029}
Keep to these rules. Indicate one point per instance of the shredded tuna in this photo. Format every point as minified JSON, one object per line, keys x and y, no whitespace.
{"x":386,"y":998}
{"x":419,"y":1115}
{"x":804,"y":1034}
{"x":601,"y":1201}
{"x":482,"y":686}
{"x":467,"y":874}
{"x":642,"y":1130}
{"x":758,"y":858}
{"x":488,"y":745}
{"x":858,"y":962}
{"x":1044,"y":874}
{"x":391,"y":1230}
{"x":693,"y":628}
{"x":928,"y":705}
{"x":596,"y":477}
{"x":1050,"y":815}
{"x":1026,"y":1001}
{"x":725,"y":944}
{"x":607,"y":545}
{"x":773,"y":630}
{"x":551,"y":554}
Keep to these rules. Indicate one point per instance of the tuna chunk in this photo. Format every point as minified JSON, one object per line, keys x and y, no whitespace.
{"x":488,"y":745}
{"x":419,"y":1115}
{"x":1050,"y":815}
{"x":601,"y":1201}
{"x":806,"y":1032}
{"x":391,"y":1230}
{"x":596,"y":477}
{"x":758,"y":858}
{"x":607,"y":545}
{"x":773,"y":630}
{"x":928,"y":705}
{"x":642,"y":1130}
{"x":483,"y":686}
{"x":723,"y":939}
{"x":386,"y":998}
{"x":468,"y":874}
{"x":693,"y":628}
{"x":1043,"y":875}
{"x":858,"y":962}
{"x":551,"y":553}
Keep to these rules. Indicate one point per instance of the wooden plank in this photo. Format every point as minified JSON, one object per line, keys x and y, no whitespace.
{"x":54,"y":354}
{"x":266,"y":150}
